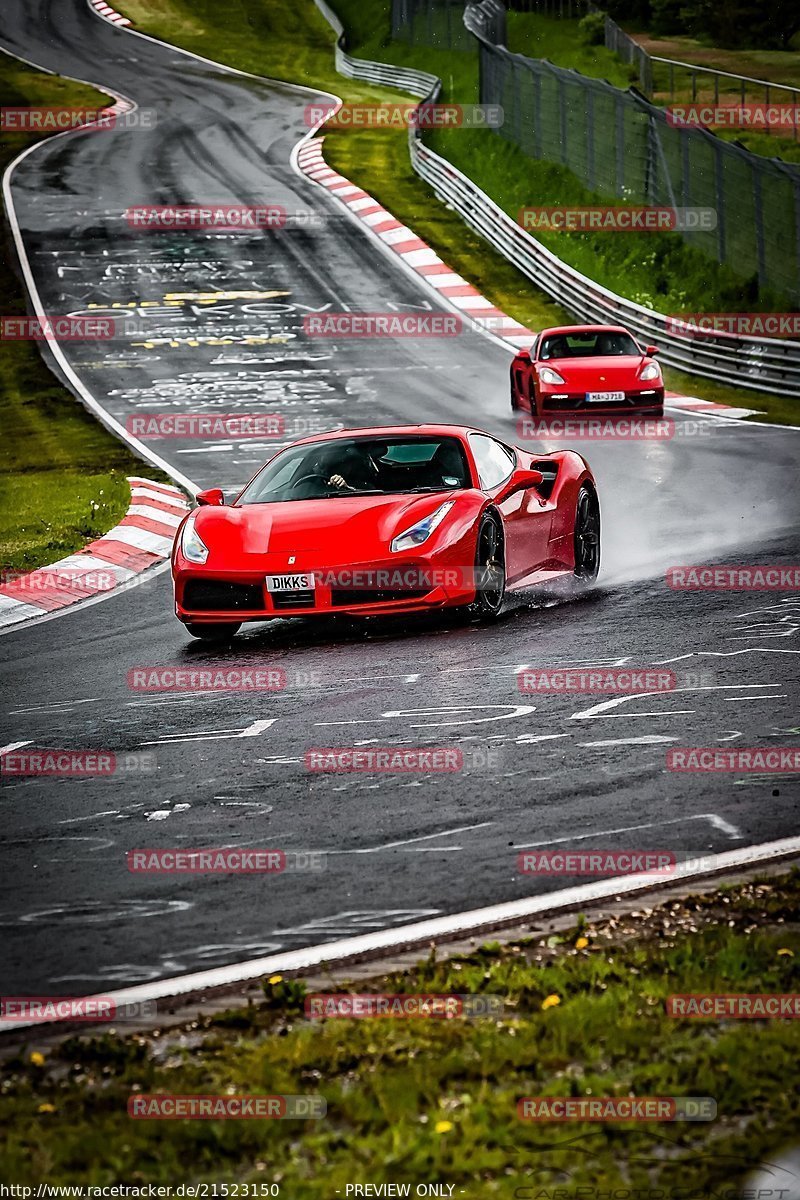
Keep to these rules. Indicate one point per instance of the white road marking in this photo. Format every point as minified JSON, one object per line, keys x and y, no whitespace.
{"x":723,"y":826}
{"x":517,"y":710}
{"x":648,"y":739}
{"x":13,"y":746}
{"x":59,"y":706}
{"x":211,"y":735}
{"x":716,"y":821}
{"x":528,"y":739}
{"x":600,"y":710}
{"x":432,"y":849}
{"x":411,"y":841}
{"x":724,"y":654}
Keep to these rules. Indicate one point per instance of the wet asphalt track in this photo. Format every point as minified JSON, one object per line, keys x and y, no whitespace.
{"x":540,"y":769}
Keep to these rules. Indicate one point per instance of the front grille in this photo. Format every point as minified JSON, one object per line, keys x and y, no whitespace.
{"x":299,"y":599}
{"x":217,"y":595}
{"x":578,"y":402}
{"x":346,"y":597}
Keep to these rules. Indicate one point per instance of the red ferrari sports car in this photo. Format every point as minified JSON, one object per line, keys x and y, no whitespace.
{"x":585,"y":368}
{"x":388,"y":520}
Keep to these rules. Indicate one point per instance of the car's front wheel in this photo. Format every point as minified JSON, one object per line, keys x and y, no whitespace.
{"x":490,"y":569}
{"x":213,"y":632}
{"x":587,"y":535}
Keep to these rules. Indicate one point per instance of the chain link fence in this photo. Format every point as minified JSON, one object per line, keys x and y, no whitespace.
{"x":435,"y":23}
{"x":620,"y":145}
{"x":769,"y":364}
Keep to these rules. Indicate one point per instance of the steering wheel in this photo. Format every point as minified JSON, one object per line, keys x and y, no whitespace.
{"x":314,"y":475}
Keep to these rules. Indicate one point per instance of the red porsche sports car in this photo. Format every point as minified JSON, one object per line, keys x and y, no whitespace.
{"x":586,"y":368}
{"x":387,"y":520}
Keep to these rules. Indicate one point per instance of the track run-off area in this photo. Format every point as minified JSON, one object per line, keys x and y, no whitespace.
{"x":217,"y":326}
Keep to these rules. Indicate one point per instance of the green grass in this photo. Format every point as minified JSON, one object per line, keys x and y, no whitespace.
{"x":293,"y":42}
{"x":558,"y":40}
{"x":411,"y":1101}
{"x":538,"y":36}
{"x":62,"y":476}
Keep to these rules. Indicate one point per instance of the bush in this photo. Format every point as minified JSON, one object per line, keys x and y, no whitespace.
{"x":592,"y":29}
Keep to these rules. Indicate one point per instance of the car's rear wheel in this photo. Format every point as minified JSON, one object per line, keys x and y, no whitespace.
{"x":213,"y":632}
{"x":587,"y":535}
{"x":490,"y":569}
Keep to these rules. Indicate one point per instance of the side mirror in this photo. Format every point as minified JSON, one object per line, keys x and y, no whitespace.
{"x":211,"y":496}
{"x":520,"y":481}
{"x":650,"y":351}
{"x":524,"y":354}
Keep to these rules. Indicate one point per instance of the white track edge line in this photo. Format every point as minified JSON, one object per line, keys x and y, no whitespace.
{"x":126,"y":586}
{"x":420,"y":933}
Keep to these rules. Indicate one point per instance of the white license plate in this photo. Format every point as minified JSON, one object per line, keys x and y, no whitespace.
{"x":608,"y":397}
{"x":290,"y":583}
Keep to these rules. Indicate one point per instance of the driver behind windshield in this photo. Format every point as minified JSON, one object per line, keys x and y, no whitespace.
{"x":358,"y":469}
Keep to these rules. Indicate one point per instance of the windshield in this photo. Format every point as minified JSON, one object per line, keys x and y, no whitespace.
{"x":587,"y":345}
{"x":360,"y":466}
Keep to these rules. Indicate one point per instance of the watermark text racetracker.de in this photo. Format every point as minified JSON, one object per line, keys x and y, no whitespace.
{"x":734,"y":115}
{"x":612,"y":428}
{"x":744,"y":760}
{"x":226,"y":426}
{"x":398,"y":760}
{"x":225,"y":860}
{"x":382,"y":324}
{"x":597,"y":862}
{"x":404,"y":115}
{"x":745,"y":1006}
{"x":206,"y":679}
{"x":65,"y":328}
{"x":603,"y":218}
{"x":59,"y":119}
{"x":79,"y":764}
{"x":595,"y":680}
{"x":322,"y":1006}
{"x":737,"y":324}
{"x":616,"y":1109}
{"x":163,"y":1107}
{"x":738,"y":577}
{"x":90,"y":1009}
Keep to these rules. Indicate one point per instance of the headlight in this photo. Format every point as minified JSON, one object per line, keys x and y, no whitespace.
{"x":548,"y":375}
{"x":192,"y":545}
{"x":423,"y":529}
{"x":651,"y":371}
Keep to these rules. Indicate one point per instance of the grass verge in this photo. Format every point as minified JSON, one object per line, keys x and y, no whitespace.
{"x":559,"y":40}
{"x":62,"y":476}
{"x":294,"y":43}
{"x":430,"y":1100}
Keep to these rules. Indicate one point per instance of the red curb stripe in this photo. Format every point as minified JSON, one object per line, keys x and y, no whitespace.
{"x":174,"y":493}
{"x":458,"y":289}
{"x":174,"y":510}
{"x":406,"y":247}
{"x":150,"y":525}
{"x":124,"y":555}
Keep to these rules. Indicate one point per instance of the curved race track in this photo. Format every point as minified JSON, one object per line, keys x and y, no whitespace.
{"x":230,"y":767}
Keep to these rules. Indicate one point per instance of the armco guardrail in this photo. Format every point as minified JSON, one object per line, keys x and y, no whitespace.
{"x":416,"y":83}
{"x":769,"y":364}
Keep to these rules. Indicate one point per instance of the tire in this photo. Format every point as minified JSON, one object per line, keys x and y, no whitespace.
{"x":490,"y":570}
{"x":587,"y":535}
{"x":221,"y":632}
